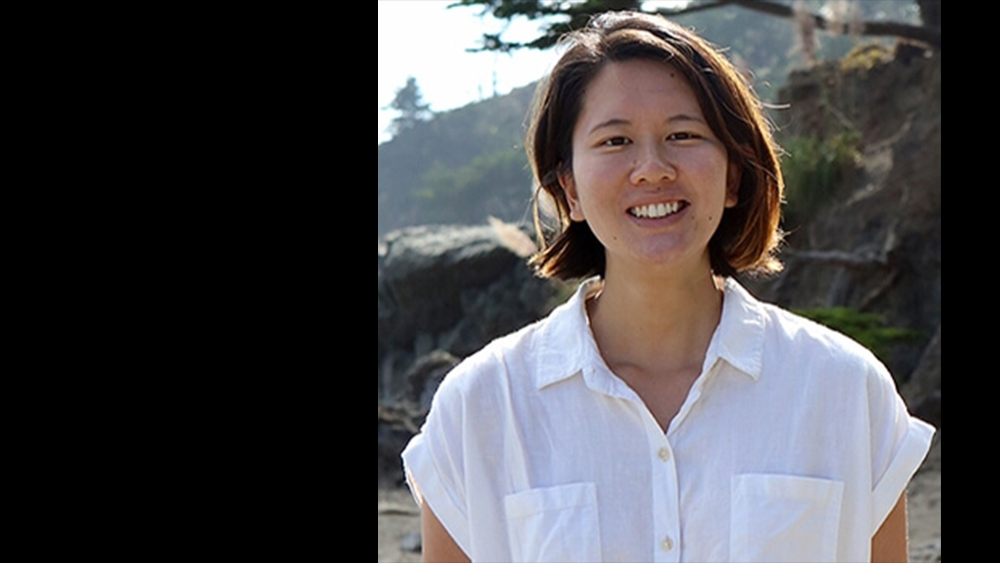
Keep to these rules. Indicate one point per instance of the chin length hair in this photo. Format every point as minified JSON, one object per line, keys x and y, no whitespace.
{"x":748,"y":238}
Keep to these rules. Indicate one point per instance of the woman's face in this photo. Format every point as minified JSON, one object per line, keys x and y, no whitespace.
{"x":649,"y":175}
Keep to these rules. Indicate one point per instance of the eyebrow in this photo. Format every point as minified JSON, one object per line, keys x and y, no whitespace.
{"x":618,"y":122}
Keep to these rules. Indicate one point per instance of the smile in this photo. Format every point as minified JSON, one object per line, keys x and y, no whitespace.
{"x":657,"y":210}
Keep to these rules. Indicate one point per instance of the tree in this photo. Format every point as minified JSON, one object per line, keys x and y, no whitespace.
{"x":410,"y":104}
{"x":930,"y":10}
{"x":579,"y":14}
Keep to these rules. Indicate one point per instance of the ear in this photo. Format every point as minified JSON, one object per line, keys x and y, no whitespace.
{"x":568,"y":184}
{"x":733,"y":182}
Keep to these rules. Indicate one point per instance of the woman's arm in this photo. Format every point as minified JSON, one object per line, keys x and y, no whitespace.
{"x":439,"y":547}
{"x":891,"y":543}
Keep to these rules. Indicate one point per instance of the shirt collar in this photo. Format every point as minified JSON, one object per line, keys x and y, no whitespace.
{"x":569,"y":348}
{"x":739,"y":340}
{"x":568,"y":343}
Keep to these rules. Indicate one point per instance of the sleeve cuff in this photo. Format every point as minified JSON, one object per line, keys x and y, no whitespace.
{"x":911,"y":455}
{"x":426,"y":485}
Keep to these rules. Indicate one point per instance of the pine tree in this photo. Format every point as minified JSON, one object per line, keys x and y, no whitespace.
{"x":410,"y":104}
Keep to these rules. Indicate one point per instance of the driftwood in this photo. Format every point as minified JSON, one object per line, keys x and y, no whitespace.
{"x":396,"y":426}
{"x":390,"y":509}
{"x":398,"y":418}
{"x":840,"y":258}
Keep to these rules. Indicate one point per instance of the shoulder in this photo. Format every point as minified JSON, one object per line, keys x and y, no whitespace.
{"x":493,"y":370}
{"x":789,"y":342}
{"x":526,"y":360}
{"x":786,"y":326}
{"x":794,"y":340}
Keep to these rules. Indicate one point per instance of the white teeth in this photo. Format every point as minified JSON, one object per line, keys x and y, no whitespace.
{"x":656,"y":211}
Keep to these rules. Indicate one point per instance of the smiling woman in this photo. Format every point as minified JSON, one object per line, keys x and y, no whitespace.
{"x":640,"y":128}
{"x":720,"y":111}
{"x":663,"y":413}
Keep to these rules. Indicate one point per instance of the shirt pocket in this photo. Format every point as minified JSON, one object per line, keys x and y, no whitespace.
{"x":782,"y":519}
{"x":554,"y":524}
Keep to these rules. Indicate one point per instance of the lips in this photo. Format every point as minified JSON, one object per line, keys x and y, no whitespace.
{"x":658,"y":210}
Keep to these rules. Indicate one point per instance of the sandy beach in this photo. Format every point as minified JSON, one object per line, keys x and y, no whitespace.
{"x":399,"y":518}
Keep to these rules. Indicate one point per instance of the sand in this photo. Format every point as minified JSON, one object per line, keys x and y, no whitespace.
{"x":399,"y":518}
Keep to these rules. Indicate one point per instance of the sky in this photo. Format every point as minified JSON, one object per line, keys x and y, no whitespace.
{"x":425,"y":40}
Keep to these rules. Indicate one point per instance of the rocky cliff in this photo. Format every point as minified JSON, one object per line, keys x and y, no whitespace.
{"x":876,"y":245}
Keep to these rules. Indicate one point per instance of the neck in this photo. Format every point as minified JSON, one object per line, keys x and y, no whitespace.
{"x":656,"y":324}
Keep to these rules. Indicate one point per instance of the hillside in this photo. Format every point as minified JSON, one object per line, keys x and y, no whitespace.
{"x":465,"y":165}
{"x":461,"y":167}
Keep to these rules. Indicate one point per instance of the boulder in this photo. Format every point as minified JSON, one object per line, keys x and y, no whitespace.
{"x":396,"y":426}
{"x":426,"y":376}
{"x":443,"y":294}
{"x":923,"y":391}
{"x":450,"y":290}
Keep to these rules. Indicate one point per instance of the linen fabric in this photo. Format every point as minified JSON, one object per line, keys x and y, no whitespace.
{"x":793,"y":445}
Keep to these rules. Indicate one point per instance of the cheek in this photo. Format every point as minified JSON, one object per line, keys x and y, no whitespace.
{"x":597,"y":178}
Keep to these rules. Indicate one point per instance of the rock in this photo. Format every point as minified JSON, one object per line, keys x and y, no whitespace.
{"x":428,"y":267}
{"x":926,"y":552}
{"x":396,"y":427}
{"x":443,"y":293}
{"x":425,"y":377}
{"x":923,"y":392}
{"x":412,"y":543}
{"x":449,"y":289}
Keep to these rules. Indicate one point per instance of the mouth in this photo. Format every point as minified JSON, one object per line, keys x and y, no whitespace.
{"x":658,"y":210}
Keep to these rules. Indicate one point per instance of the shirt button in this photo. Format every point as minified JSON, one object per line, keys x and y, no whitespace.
{"x":667,"y":545}
{"x":664,"y":454}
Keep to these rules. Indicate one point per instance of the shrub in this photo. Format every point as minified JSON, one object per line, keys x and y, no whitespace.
{"x":815,"y":170}
{"x":867,"y":329}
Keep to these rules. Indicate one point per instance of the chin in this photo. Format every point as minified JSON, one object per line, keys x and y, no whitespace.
{"x":669,"y":260}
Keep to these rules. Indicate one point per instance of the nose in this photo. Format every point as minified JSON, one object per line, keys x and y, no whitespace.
{"x":652,"y":166}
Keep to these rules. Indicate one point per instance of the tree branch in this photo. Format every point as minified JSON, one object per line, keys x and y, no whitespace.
{"x":928,"y":35}
{"x":691,"y":9}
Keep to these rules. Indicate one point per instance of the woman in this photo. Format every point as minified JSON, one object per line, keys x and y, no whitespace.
{"x":662,"y":414}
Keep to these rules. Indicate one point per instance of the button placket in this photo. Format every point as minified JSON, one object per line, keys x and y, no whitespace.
{"x":667,"y":499}
{"x":666,"y":493}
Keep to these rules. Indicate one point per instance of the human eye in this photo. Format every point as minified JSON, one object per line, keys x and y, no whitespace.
{"x":684,"y":136}
{"x":615,"y":142}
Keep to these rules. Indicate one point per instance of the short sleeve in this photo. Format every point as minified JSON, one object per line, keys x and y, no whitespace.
{"x":900,"y":443}
{"x":434,"y":465}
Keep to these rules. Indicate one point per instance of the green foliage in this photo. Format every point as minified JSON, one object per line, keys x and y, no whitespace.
{"x":462,"y":188}
{"x":867,"y":329}
{"x":866,"y":57}
{"x":815,"y":170}
{"x":460,"y":167}
{"x":562,"y":17}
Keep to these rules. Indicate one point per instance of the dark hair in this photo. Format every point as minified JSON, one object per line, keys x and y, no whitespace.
{"x":749,"y":235}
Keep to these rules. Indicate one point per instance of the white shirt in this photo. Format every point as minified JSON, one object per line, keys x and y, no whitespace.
{"x":793,"y":445}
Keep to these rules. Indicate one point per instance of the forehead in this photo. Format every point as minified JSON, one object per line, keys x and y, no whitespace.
{"x":639,"y":87}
